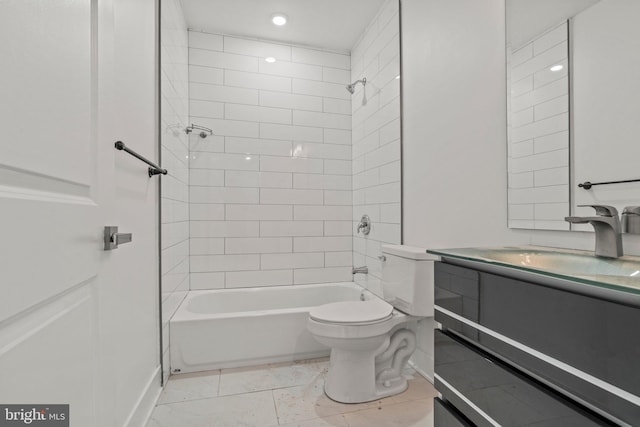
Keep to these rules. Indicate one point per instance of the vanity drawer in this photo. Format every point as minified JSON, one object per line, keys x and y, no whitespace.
{"x":446,"y":415}
{"x":457,"y":289}
{"x":475,"y":383}
{"x":595,"y":336}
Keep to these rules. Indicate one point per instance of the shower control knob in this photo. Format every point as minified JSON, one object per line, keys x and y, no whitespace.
{"x":364,"y":225}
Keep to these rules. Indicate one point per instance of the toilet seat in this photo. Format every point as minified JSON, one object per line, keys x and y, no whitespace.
{"x":352,"y":312}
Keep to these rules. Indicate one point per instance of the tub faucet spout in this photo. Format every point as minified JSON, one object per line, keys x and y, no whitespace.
{"x":362,"y":270}
{"x":607,"y":226}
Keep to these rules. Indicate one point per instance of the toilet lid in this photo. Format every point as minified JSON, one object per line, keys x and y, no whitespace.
{"x":352,"y":311}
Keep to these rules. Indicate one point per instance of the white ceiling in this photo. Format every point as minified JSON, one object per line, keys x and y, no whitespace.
{"x":527,"y":19}
{"x":328,"y":24}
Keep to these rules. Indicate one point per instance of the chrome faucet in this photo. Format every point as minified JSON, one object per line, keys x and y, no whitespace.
{"x":607,"y":226}
{"x":362,"y":270}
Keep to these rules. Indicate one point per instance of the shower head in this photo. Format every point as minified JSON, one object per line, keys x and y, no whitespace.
{"x":204,"y":132}
{"x":352,"y":87}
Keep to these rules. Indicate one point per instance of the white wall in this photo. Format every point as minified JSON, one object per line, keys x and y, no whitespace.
{"x":175,"y":158}
{"x":133,"y":298}
{"x":270,"y":192}
{"x":376,"y":141}
{"x":454,"y":124}
{"x":454,"y":132}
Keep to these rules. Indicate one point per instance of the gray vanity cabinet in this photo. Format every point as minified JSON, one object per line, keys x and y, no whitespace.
{"x":446,"y":414}
{"x":513,"y":352}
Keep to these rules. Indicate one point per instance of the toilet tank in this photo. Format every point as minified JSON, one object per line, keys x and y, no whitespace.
{"x":407,"y":279}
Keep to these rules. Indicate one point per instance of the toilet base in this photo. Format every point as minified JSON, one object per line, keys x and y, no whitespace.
{"x":351,"y":378}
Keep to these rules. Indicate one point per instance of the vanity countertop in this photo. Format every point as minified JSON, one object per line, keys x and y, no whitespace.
{"x":619,"y":274}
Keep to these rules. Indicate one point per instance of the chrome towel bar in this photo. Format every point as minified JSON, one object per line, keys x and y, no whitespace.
{"x":153,"y":170}
{"x":587,"y":185}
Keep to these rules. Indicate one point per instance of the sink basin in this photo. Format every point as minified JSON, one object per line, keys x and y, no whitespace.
{"x":568,"y":263}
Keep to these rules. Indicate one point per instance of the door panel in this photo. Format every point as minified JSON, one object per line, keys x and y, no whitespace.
{"x":78,"y":325}
{"x":54,"y":196}
{"x":51,"y":227}
{"x":41,"y":255}
{"x":47,"y":99}
{"x":42,"y":340}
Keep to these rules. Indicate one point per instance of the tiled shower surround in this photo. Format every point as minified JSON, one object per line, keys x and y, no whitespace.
{"x":376,"y":141}
{"x":174,"y":152}
{"x":270,"y":191}
{"x":274,"y":196}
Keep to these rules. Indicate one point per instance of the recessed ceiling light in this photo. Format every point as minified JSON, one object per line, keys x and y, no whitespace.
{"x":279,"y":19}
{"x":556,"y":68}
{"x":398,"y":77}
{"x":270,"y":59}
{"x":248,"y":158}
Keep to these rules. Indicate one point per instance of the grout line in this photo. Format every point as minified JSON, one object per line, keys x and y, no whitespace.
{"x":275,"y":406}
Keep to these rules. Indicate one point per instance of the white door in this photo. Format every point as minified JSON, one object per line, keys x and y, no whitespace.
{"x":57,"y":192}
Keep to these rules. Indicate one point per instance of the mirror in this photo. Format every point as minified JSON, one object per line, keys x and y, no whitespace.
{"x":538,"y":127}
{"x":538,"y":111}
{"x":552,"y":148}
{"x":606,"y":100}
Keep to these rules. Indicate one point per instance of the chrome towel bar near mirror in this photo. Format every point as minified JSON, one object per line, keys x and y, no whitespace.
{"x":153,"y":170}
{"x":587,"y":185}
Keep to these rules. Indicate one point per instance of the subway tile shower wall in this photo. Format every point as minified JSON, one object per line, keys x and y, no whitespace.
{"x":174,"y":153}
{"x":376,"y":141}
{"x":270,"y":191}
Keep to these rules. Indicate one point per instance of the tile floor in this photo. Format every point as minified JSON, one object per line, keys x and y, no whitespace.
{"x":284,"y":394}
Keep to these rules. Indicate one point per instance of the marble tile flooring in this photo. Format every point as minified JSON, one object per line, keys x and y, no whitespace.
{"x":285,"y":394}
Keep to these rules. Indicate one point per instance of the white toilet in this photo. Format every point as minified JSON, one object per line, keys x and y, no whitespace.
{"x":370,"y":340}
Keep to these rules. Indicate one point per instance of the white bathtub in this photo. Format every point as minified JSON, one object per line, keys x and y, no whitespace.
{"x":251,"y":326}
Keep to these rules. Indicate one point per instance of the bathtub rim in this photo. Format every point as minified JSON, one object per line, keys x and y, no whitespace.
{"x":182,"y":314}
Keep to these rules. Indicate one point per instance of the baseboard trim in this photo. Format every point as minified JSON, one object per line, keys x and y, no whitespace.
{"x":422,"y":372}
{"x":146,"y":402}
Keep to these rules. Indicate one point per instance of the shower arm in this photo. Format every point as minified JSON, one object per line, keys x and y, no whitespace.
{"x":193,"y":127}
{"x":351,"y":87}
